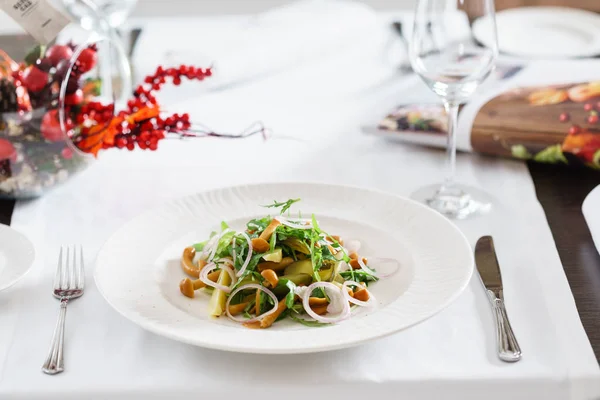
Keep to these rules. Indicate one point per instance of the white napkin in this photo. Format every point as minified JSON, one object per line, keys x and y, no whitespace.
{"x":591,"y":213}
{"x":266,"y":43}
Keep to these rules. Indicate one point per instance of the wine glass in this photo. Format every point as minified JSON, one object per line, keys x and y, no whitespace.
{"x":444,"y":54}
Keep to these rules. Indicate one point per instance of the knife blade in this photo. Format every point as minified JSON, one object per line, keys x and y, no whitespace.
{"x":491,"y":278}
{"x":487,"y":265}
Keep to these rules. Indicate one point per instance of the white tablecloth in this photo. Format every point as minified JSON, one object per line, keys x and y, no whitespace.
{"x":316,"y":121}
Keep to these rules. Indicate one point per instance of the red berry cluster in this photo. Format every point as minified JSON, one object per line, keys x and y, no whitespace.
{"x":143,"y":94}
{"x":592,"y":118}
{"x":93,"y":110}
{"x":147,"y":134}
{"x":141,"y":123}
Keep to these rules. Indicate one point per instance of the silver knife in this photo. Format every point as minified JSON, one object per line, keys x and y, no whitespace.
{"x":489,"y":272}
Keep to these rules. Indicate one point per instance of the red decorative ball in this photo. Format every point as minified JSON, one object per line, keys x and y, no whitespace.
{"x":574,"y":130}
{"x":66,"y":153}
{"x":35,"y":79}
{"x":7,"y":150}
{"x":51,"y":127}
{"x":87,"y":60}
{"x":74,"y":98}
{"x":564,"y":117}
{"x":593,"y":119}
{"x":588,"y":107}
{"x":58,"y":52}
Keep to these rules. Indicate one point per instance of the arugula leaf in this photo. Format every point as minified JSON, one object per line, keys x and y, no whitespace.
{"x":284,"y":205}
{"x":283,"y":315}
{"x":273,"y":241}
{"x":289,"y":298}
{"x":200,"y":246}
{"x":224,"y":245}
{"x":224,"y":226}
{"x":315,"y":224}
{"x":249,"y":307}
{"x":358,"y":276}
{"x":258,"y":224}
{"x":312,"y":324}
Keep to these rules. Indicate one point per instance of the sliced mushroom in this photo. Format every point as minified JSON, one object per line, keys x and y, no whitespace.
{"x":266,"y":234}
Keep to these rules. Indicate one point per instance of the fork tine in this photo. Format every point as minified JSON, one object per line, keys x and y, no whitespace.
{"x":59,"y":268}
{"x":81,"y":273}
{"x":73,"y":270}
{"x":65,"y":271}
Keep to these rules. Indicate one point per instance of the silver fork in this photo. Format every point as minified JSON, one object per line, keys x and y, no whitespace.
{"x":68,"y":284}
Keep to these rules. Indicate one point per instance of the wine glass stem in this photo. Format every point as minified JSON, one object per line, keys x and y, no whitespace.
{"x":452,"y":112}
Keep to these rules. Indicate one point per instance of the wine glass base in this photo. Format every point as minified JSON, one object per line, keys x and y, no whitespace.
{"x":455,"y":202}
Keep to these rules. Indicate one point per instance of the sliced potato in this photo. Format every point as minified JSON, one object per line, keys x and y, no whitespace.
{"x":216,"y":307}
{"x":297,"y":244}
{"x":299,"y":267}
{"x":298,"y":279}
{"x":275,"y":266}
{"x":275,"y":256}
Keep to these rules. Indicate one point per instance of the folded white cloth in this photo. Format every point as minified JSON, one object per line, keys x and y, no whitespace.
{"x":591,"y":213}
{"x":266,"y":43}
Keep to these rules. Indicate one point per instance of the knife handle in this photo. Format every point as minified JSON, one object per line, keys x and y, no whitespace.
{"x":508,"y":347}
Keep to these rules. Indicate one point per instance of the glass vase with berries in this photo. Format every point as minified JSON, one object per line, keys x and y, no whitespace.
{"x":41,"y":97}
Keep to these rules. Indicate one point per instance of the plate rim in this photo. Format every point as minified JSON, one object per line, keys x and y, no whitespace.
{"x":30,"y":251}
{"x":512,"y":12}
{"x":142,"y":322}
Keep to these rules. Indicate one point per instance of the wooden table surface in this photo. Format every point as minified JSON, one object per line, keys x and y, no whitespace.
{"x":561,"y":192}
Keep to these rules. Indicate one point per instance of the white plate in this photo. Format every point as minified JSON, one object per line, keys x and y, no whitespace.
{"x":544,"y":32}
{"x":16,"y":256}
{"x":138,"y":271}
{"x":591,"y":213}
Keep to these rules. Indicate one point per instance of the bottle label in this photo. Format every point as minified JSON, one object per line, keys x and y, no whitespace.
{"x":38,"y":17}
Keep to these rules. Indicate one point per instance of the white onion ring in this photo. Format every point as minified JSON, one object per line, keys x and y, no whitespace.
{"x":291,"y":224}
{"x":233,"y":242}
{"x":208,"y":247}
{"x":369,"y":303}
{"x":216,"y":244}
{"x":375,"y":259}
{"x":248,"y":257}
{"x":211,"y":266}
{"x":258,"y":317}
{"x":364,"y":267}
{"x":328,"y":320}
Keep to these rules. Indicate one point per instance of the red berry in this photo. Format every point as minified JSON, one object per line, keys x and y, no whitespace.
{"x":574,"y":130}
{"x":7,"y":150}
{"x":87,"y":60}
{"x":588,"y":107}
{"x":593,"y":119}
{"x":208,"y":72}
{"x":57,"y":53}
{"x":44,"y":64}
{"x":564,"y":117}
{"x":66,"y":153}
{"x":153,"y":146}
{"x":74,"y":98}
{"x":177,"y":81}
{"x":130,"y":146}
{"x":34,"y":79}
{"x":51,"y":127}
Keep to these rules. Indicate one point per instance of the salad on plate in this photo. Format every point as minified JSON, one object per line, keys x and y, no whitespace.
{"x":282,"y":267}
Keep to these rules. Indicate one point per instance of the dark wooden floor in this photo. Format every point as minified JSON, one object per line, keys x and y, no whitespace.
{"x":561,"y":192}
